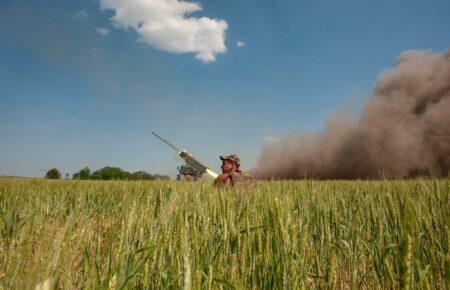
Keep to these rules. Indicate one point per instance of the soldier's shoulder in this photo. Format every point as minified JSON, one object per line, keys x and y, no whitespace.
{"x":243,"y":174}
{"x":242,"y":177}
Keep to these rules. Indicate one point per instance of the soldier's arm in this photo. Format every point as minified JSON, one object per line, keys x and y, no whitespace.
{"x":222,"y":179}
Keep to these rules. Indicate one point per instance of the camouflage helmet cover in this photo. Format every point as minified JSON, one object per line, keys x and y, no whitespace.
{"x":232,"y":157}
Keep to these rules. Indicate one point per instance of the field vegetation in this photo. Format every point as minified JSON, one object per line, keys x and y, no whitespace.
{"x":305,"y":234}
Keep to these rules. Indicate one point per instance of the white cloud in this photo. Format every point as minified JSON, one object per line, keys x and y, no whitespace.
{"x":81,"y":14}
{"x":240,"y":44}
{"x":103,"y":31}
{"x":165,"y":25}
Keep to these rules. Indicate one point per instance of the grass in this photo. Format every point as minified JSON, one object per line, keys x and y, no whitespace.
{"x":280,"y":234}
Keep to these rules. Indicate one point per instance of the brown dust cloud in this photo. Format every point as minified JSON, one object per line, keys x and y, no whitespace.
{"x":403,"y":131}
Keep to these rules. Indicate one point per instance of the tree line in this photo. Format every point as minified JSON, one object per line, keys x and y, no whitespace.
{"x":106,"y":173}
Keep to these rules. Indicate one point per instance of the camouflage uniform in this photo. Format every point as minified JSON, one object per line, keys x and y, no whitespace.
{"x":240,"y":178}
{"x":234,"y":178}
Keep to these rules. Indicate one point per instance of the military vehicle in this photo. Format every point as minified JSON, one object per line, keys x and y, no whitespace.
{"x":193,"y":168}
{"x":187,"y":173}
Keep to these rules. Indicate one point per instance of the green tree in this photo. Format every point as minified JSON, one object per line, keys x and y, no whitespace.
{"x":140,"y":175}
{"x":110,"y":173}
{"x":83,"y":174}
{"x":53,"y":174}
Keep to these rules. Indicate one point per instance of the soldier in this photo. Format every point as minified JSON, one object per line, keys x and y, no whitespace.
{"x":231,"y":175}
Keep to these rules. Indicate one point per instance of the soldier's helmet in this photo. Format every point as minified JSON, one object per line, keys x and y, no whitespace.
{"x":233,"y":158}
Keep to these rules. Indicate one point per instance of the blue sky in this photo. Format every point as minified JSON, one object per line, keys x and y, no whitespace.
{"x":78,"y":89}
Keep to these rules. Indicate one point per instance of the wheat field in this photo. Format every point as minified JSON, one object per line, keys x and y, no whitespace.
{"x":278,"y":234}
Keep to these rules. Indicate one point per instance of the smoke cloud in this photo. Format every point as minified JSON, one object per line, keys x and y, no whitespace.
{"x":404,"y":130}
